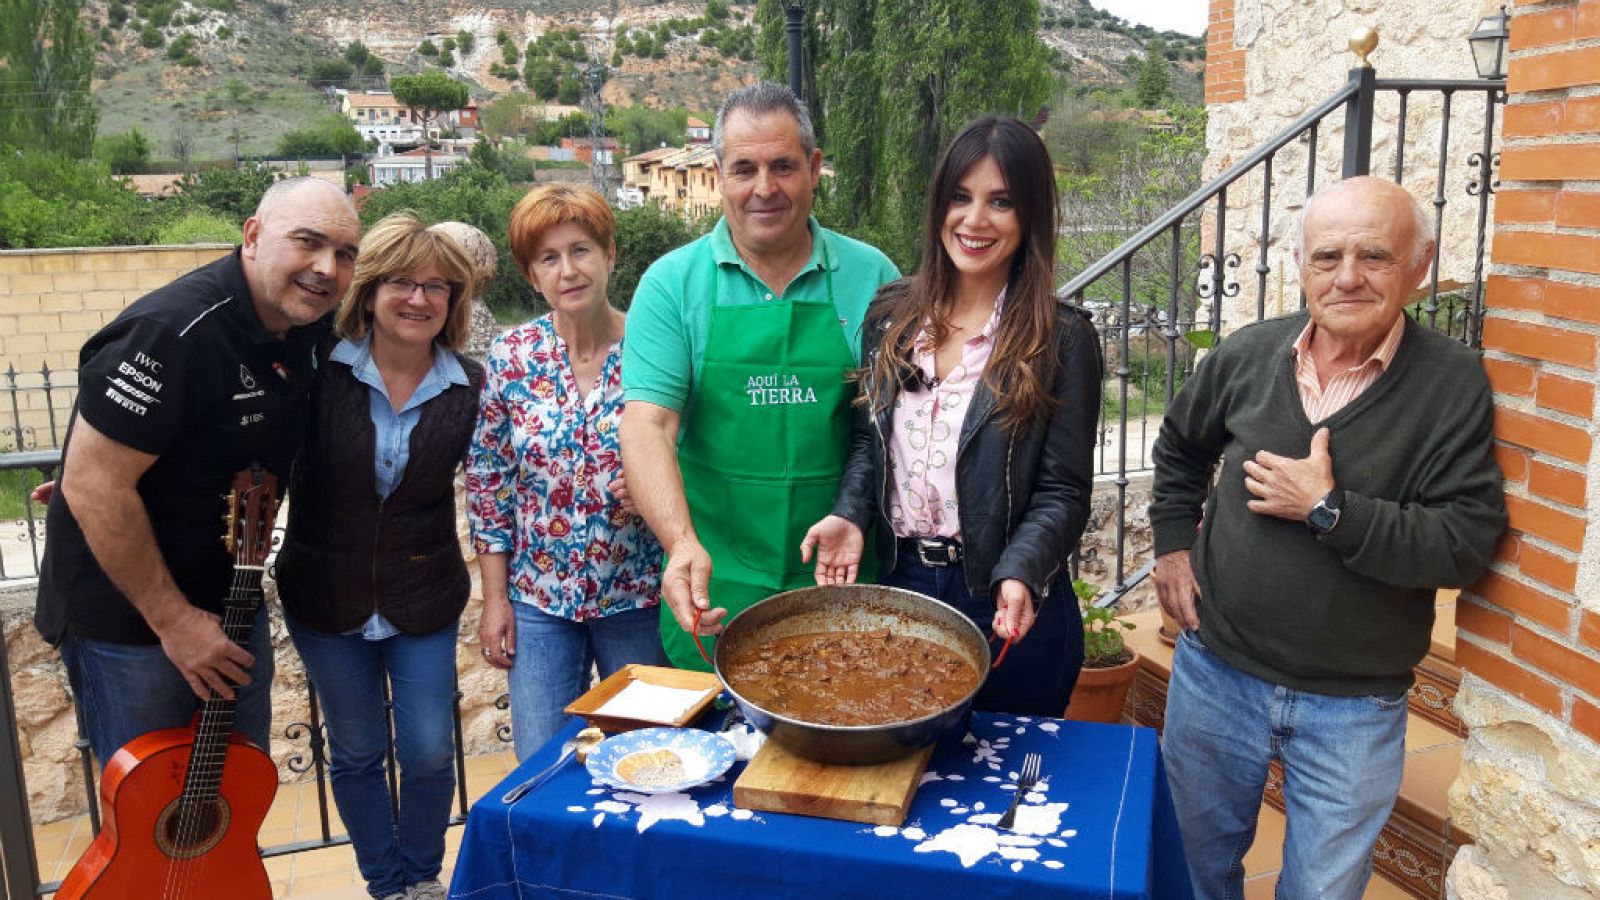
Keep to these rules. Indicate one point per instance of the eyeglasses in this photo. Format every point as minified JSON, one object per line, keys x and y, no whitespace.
{"x":433,"y":290}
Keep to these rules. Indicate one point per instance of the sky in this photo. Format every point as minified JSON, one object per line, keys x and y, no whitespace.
{"x":1187,"y":16}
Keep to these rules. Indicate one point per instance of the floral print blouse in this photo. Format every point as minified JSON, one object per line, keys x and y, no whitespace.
{"x":538,"y":481}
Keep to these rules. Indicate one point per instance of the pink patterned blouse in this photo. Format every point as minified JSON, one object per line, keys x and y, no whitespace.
{"x":927,"y":432}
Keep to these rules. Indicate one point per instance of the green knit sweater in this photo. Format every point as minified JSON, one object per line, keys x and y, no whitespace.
{"x":1351,"y":613}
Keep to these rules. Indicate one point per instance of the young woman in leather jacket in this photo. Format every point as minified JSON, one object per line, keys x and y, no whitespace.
{"x":971,"y":457}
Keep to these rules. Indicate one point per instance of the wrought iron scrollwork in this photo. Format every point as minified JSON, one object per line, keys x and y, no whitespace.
{"x":18,"y":439}
{"x":302,"y":731}
{"x":1214,"y":280}
{"x":1485,"y":169}
{"x":503,"y":729}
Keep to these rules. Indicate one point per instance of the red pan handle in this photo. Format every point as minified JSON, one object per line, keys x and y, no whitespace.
{"x":694,"y":632}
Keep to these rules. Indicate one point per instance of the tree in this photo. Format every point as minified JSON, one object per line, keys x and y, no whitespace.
{"x":124,"y":154}
{"x":46,"y":63}
{"x":1153,"y":87}
{"x":506,"y":115}
{"x":640,"y":128}
{"x":569,"y":90}
{"x":542,"y":77}
{"x":893,"y":83}
{"x":426,"y":96}
{"x":465,"y":40}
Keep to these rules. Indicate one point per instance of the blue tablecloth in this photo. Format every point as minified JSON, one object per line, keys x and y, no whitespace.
{"x":1100,"y":824}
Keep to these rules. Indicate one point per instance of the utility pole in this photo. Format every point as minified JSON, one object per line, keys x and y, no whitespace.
{"x":599,"y":171}
{"x":794,"y":18}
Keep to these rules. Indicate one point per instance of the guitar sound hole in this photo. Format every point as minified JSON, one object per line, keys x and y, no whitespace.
{"x":187,"y":830}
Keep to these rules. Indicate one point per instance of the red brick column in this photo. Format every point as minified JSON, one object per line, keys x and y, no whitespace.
{"x":1224,"y":61}
{"x":1526,"y":628}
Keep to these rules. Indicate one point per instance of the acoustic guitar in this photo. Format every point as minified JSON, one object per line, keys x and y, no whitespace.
{"x":181,"y":806}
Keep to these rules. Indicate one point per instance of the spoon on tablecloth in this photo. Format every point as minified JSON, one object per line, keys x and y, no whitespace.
{"x":578,"y":745}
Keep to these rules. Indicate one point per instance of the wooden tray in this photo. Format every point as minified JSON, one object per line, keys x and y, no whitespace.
{"x":587,"y":705}
{"x":778,"y":781}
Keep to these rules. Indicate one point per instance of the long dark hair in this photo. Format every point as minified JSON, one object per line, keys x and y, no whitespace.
{"x":1023,"y":364}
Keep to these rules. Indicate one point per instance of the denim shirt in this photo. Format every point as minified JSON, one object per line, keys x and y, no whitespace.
{"x":392,"y":447}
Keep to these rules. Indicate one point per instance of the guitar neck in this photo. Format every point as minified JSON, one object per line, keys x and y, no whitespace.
{"x":204,"y":777}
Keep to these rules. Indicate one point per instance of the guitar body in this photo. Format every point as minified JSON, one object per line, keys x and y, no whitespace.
{"x":145,"y":851}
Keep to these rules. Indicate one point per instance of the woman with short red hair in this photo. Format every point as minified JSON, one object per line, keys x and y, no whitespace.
{"x":571,"y":575}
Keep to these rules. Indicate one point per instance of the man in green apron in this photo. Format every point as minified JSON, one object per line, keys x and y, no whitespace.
{"x":734,"y":371}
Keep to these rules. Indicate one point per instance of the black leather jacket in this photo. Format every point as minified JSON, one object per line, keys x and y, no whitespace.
{"x":1023,"y":498}
{"x":347,"y":553}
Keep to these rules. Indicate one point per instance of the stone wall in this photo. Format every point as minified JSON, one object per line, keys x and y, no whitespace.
{"x":1277,"y":59}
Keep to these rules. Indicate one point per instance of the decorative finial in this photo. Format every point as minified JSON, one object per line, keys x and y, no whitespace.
{"x":1362,"y":42}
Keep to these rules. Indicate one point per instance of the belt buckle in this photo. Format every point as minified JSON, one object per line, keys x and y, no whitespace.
{"x":926,"y":546}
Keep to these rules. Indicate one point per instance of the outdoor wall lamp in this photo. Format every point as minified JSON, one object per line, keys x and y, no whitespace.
{"x":1488,"y":44}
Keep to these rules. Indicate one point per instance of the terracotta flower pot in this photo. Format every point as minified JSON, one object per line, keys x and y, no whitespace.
{"x":1168,"y":634}
{"x":1101,"y":693}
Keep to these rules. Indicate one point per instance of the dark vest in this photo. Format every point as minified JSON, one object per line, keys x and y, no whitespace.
{"x":349,"y":554}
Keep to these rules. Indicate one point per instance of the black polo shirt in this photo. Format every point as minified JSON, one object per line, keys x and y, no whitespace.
{"x":188,"y":374}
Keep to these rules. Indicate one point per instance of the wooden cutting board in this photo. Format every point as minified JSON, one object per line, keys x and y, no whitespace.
{"x":778,"y":781}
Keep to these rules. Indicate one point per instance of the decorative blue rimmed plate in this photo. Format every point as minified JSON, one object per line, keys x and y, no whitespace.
{"x":659,"y":760}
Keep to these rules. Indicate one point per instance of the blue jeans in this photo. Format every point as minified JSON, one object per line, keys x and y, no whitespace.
{"x":1342,"y":758}
{"x":553,"y":660}
{"x":125,"y":690}
{"x":1040,"y":670}
{"x":348,"y":672}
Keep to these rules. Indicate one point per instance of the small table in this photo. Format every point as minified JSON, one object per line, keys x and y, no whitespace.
{"x":1099,"y":825}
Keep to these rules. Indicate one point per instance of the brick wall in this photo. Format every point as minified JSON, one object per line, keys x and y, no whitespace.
{"x":1224,"y":60}
{"x":1528,"y":631}
{"x":51,"y":301}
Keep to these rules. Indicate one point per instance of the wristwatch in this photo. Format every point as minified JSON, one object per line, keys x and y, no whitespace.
{"x":1325,"y":515}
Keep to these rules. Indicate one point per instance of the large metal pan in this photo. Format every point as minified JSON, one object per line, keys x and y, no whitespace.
{"x":853,"y":607}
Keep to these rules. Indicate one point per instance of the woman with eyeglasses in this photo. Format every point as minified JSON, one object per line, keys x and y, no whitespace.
{"x":571,"y":574}
{"x":371,"y":573}
{"x":971,"y":460}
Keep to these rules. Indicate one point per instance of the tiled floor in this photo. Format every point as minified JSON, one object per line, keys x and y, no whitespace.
{"x":328,"y":874}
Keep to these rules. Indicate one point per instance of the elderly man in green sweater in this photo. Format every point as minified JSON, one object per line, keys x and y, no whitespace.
{"x":1356,"y":478}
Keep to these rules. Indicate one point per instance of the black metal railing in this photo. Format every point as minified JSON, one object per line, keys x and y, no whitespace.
{"x":1175,"y":286}
{"x":34,"y":408}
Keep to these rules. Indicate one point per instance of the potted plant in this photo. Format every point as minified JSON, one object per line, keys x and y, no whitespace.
{"x":1108,"y":663}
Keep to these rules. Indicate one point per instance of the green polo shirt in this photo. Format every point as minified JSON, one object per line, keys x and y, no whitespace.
{"x":670,"y":319}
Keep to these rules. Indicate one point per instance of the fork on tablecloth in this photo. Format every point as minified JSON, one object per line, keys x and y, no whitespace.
{"x":1026,"y":779}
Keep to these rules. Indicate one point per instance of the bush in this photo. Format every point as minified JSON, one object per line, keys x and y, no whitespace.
{"x":446,"y":59}
{"x":426,"y":48}
{"x":331,"y":72}
{"x":151,"y":37}
{"x":465,"y":41}
{"x":232,"y":194}
{"x":332,"y":135}
{"x":224,"y":32}
{"x":178,"y":48}
{"x":116,"y":13}
{"x":48,"y":200}
{"x":124,"y":154}
{"x":644,"y":235}
{"x":199,"y":228}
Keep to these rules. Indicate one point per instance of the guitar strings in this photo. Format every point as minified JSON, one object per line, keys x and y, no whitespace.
{"x":192,"y":815}
{"x":211,"y":734}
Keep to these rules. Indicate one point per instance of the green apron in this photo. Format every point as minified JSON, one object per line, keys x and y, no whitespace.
{"x":763,"y":446}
